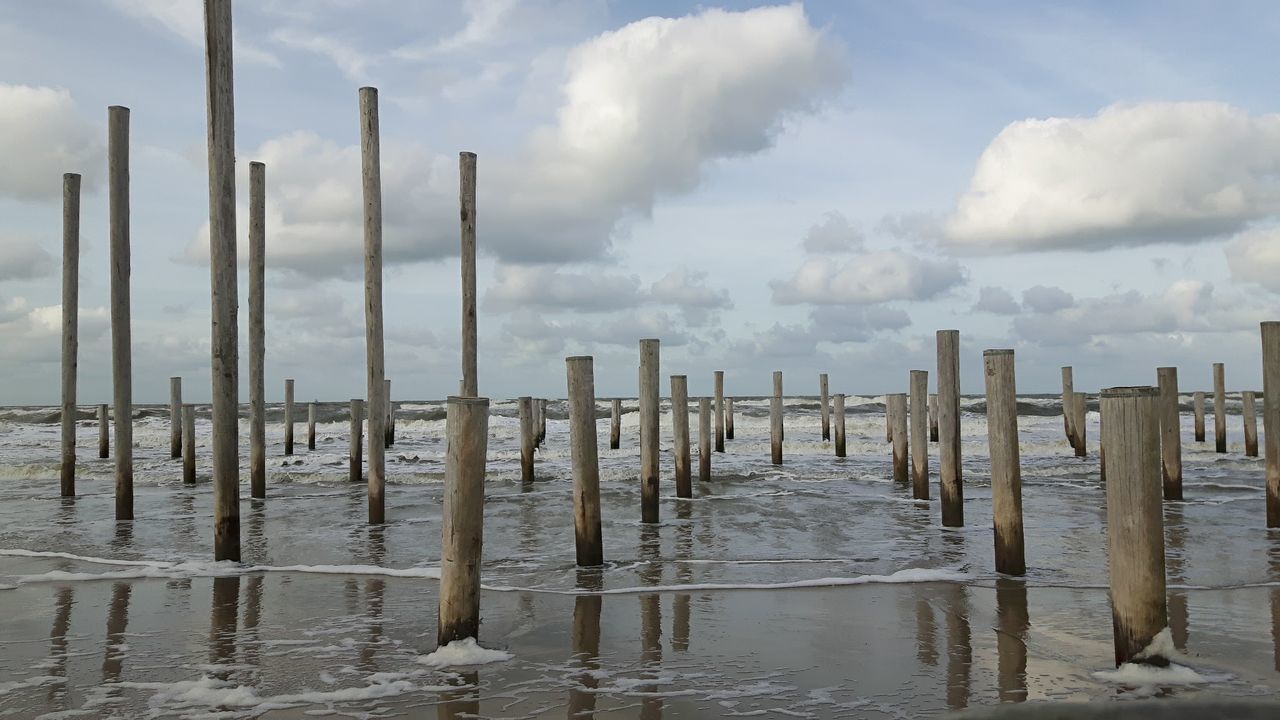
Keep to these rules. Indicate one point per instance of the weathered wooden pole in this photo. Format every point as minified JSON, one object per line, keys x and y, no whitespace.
{"x":1170,"y":433}
{"x":704,"y":440}
{"x":356,"y":455}
{"x":1078,"y":424}
{"x":1135,"y":523}
{"x":720,"y":426}
{"x":919,"y":383}
{"x":288,"y":416}
{"x":462,"y":526}
{"x":467,"y":214}
{"x":257,"y":330}
{"x":371,"y":176}
{"x":775,"y":418}
{"x":933,"y":418}
{"x":188,"y":444}
{"x":1219,"y":408}
{"x":527,"y":433}
{"x":649,"y":431}
{"x":1197,"y":404}
{"x":680,"y":433}
{"x":175,"y":417}
{"x":838,"y":402}
{"x":898,"y":413}
{"x":121,"y":343}
{"x":104,"y":432}
{"x":1006,"y":470}
{"x":1271,"y":416}
{"x":311,"y":426}
{"x":586,"y":460}
{"x":949,"y":428}
{"x":1250,"y":423}
{"x":70,"y":326}
{"x":1068,"y":406}
{"x":615,"y":424}
{"x":728,"y":418}
{"x":225,"y":327}
{"x":542,"y":421}
{"x":388,"y":426}
{"x":824,"y":411}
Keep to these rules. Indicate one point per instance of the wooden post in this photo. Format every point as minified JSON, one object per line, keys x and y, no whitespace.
{"x":467,"y":207}
{"x":542,"y":421}
{"x":311,"y":426}
{"x":121,"y":344}
{"x":525,"y":405}
{"x":615,"y":425}
{"x":919,"y":382}
{"x":225,"y":325}
{"x":704,"y":440}
{"x":288,"y":416}
{"x":104,"y":432}
{"x":70,"y":326}
{"x":371,"y":176}
{"x":586,"y":460}
{"x":355,"y":456}
{"x":1068,"y":406}
{"x":949,"y":427}
{"x":728,"y":418}
{"x":1197,"y":403}
{"x":188,"y":444}
{"x":680,"y":431}
{"x":1250,"y":424}
{"x":1219,"y":408}
{"x":775,"y":418}
{"x":388,"y":429}
{"x":898,"y":413}
{"x":175,"y":417}
{"x":1135,"y":524}
{"x":838,"y":401}
{"x":462,"y":526}
{"x":1078,"y":424}
{"x":1006,"y":471}
{"x":824,"y":411}
{"x":719,"y":388}
{"x":1271,"y":416}
{"x":933,"y":418}
{"x":1170,"y":433}
{"x":257,"y":330}
{"x":649,"y":431}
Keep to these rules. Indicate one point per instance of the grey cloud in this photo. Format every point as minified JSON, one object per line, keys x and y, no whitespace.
{"x":43,"y":134}
{"x":869,"y":278}
{"x":996,"y":301}
{"x":833,"y":235}
{"x":24,"y":259}
{"x":1047,"y":299}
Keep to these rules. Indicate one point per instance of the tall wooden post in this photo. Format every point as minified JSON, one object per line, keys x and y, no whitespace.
{"x":188,"y":444}
{"x":527,"y":433}
{"x":1219,"y":408}
{"x":542,"y":421}
{"x":775,"y":418}
{"x":371,"y":175}
{"x":104,"y":433}
{"x":933,"y":418}
{"x":728,"y":418}
{"x":1250,"y":423}
{"x":1170,"y":433}
{"x":257,"y":330}
{"x":719,"y":388}
{"x":649,"y":431}
{"x":1197,"y":404}
{"x":121,"y":343}
{"x":1271,"y":416}
{"x":175,"y":417}
{"x":467,"y":212}
{"x":704,"y":440}
{"x":70,"y":326}
{"x":388,"y":429}
{"x":949,"y":427}
{"x":919,"y":382}
{"x":586,"y":461}
{"x":1006,"y":471}
{"x":1135,"y":524}
{"x":825,"y":410}
{"x":898,"y":417}
{"x":838,"y":402}
{"x":462,"y":526}
{"x":1068,"y":406}
{"x":288,"y":416}
{"x":1079,"y":424}
{"x":615,"y":424}
{"x":680,"y":431}
{"x":355,"y":457}
{"x":311,"y":426}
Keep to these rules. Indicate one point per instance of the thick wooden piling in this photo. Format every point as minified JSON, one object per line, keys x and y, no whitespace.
{"x":1219,"y":408}
{"x":70,"y":327}
{"x":704,"y":440}
{"x":355,"y":455}
{"x":121,"y":343}
{"x":680,"y":433}
{"x":188,"y":444}
{"x":775,"y":419}
{"x":257,"y":330}
{"x":838,"y":409}
{"x":919,"y":384}
{"x":371,"y":181}
{"x":1170,"y":433}
{"x":175,"y":417}
{"x":104,"y":432}
{"x":311,"y":426}
{"x":1271,"y":416}
{"x":288,"y":416}
{"x":1135,"y":524}
{"x":388,"y":422}
{"x":1006,"y":471}
{"x":527,"y":434}
{"x":1078,"y":424}
{"x":728,"y":418}
{"x":615,"y":424}
{"x":225,"y":330}
{"x":1249,"y":412}
{"x":1197,"y":405}
{"x":462,"y":526}
{"x":1068,"y":406}
{"x":949,"y":428}
{"x":467,"y":214}
{"x":933,"y":418}
{"x":649,"y":430}
{"x":719,"y":388}
{"x":586,"y":460}
{"x":824,"y":411}
{"x":542,"y":421}
{"x":901,"y":457}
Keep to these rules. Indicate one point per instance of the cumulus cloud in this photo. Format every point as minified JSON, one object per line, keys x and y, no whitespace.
{"x":536,"y":334}
{"x":24,"y":259}
{"x":1046,"y":299}
{"x":833,"y":235}
{"x":1132,"y":174}
{"x":1254,"y":256}
{"x":34,"y":334}
{"x":43,"y":135}
{"x":688,"y":290}
{"x":517,"y":287}
{"x":868,"y":278}
{"x":996,"y":301}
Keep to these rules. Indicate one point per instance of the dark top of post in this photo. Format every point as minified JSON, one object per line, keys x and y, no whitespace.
{"x":1128,"y":392}
{"x":997,"y":351}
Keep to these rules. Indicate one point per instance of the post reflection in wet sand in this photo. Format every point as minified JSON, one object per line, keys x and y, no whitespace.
{"x":586,"y":643}
{"x":463,"y":702}
{"x":117,"y":623}
{"x":65,"y":598}
{"x":1175,"y":557}
{"x":1012,"y":622}
{"x":252,"y":617}
{"x":959,"y":646}
{"x":223,"y":619}
{"x":684,"y":575}
{"x":926,"y":630}
{"x":1273,"y":561}
{"x":374,"y":589}
{"x":650,"y":618}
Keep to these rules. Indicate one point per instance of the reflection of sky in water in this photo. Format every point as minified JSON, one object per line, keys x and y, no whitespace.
{"x":171,"y":633}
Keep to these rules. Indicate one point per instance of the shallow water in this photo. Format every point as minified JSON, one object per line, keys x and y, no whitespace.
{"x":818,"y":589}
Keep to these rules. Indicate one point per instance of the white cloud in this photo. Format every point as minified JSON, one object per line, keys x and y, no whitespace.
{"x":24,"y":259}
{"x":34,"y":334}
{"x":997,"y":301}
{"x":186,"y":20}
{"x":688,"y":290}
{"x":868,"y":278}
{"x":1132,"y":174}
{"x":353,"y":63}
{"x":833,"y":235}
{"x":43,"y":135}
{"x":1046,"y":299}
{"x":518,"y":287}
{"x":1254,"y":256}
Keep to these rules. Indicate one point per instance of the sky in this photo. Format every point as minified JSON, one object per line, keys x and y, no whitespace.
{"x":810,"y":187}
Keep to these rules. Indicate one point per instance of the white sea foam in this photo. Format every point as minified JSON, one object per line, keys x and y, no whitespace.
{"x":462,"y":653}
{"x":1143,"y":675}
{"x":27,"y":683}
{"x":910,"y":575}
